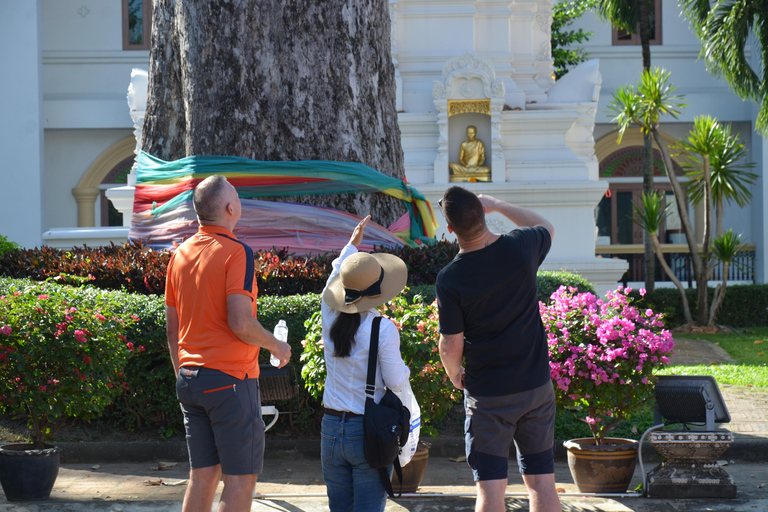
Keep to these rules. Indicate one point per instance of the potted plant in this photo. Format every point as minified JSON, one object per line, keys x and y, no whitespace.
{"x":417,"y":322}
{"x":603,"y":355}
{"x":62,"y":352}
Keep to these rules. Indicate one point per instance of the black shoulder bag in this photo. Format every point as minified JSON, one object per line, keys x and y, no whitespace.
{"x":385,"y":425}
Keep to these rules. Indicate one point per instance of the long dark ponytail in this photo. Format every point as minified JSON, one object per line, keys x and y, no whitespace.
{"x":343,"y":333}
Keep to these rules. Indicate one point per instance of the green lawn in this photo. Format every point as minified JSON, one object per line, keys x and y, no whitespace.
{"x":749,"y":350}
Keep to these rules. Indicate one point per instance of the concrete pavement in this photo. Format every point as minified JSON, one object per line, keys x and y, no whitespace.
{"x":294,"y":485}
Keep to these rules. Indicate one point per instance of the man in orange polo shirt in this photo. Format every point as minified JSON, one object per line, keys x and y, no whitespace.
{"x":214,"y":340}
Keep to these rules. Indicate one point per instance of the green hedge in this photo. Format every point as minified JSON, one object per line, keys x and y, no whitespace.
{"x":150,"y":400}
{"x":743,"y":306}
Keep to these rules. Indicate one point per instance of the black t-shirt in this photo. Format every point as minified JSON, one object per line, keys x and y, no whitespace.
{"x":490,"y":295}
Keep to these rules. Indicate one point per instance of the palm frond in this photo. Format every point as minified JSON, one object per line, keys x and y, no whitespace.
{"x":652,"y":213}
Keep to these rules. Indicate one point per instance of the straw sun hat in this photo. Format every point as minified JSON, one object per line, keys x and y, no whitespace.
{"x":366,"y":281}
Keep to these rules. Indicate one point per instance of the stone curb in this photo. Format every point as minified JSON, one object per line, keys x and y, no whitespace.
{"x":747,"y":450}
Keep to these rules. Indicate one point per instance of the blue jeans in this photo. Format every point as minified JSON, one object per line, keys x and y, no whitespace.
{"x":353,"y":486}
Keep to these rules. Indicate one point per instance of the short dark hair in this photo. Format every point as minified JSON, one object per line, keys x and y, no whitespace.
{"x":463,"y":212}
{"x":208,"y":198}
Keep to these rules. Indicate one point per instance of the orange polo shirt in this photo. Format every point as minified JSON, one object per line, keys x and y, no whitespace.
{"x":202,"y":272}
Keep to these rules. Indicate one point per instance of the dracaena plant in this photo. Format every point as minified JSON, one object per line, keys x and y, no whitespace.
{"x":604,"y":353}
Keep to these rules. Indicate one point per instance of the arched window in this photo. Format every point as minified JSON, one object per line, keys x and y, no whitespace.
{"x":622,"y":167}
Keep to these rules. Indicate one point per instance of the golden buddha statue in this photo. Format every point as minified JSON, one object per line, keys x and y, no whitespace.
{"x":471,"y":159}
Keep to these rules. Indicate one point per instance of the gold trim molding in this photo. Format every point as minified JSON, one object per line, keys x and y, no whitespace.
{"x":456,"y":107}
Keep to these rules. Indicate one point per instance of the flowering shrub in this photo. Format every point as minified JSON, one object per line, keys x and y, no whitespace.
{"x":603,"y":353}
{"x":61,"y":356}
{"x":417,"y":323}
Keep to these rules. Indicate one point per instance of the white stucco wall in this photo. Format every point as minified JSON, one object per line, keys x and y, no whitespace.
{"x":68,"y":155}
{"x":21,"y":134}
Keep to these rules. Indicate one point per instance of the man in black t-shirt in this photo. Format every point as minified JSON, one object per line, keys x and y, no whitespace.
{"x":489,"y":319}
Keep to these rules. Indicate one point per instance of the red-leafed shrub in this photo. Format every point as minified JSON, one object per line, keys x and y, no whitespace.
{"x":134,"y":267}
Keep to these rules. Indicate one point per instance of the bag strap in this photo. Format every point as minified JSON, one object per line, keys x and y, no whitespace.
{"x":370,"y":388}
{"x":387,"y":481}
{"x":373,"y":356}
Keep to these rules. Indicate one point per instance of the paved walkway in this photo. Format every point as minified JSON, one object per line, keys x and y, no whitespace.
{"x":294,"y":485}
{"x":292,"y":479}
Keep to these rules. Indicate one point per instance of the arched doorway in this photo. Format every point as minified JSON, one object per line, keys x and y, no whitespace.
{"x":102,"y":174}
{"x":622,"y":166}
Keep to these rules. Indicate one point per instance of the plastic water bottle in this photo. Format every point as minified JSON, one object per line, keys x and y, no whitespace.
{"x":281,"y":333}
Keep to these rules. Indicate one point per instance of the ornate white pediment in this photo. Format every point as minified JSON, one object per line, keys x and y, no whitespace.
{"x":468,"y":67}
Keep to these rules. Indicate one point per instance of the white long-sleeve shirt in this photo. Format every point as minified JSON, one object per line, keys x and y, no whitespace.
{"x":346,"y":376}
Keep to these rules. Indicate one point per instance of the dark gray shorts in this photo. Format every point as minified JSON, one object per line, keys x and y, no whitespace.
{"x":222,"y":419}
{"x":493,"y":423}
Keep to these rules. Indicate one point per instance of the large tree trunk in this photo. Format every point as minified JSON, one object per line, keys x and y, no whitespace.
{"x":277,"y":80}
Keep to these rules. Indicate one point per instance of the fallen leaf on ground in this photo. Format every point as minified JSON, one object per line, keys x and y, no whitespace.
{"x":761,"y":486}
{"x":463,"y":458}
{"x":759,"y":342}
{"x":159,"y":481}
{"x":96,"y":467}
{"x":164,"y":465}
{"x":178,"y":482}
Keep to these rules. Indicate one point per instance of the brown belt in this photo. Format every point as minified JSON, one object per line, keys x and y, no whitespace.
{"x":342,"y":414}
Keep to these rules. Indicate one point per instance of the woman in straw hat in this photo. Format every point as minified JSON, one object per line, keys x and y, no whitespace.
{"x":358,"y":284}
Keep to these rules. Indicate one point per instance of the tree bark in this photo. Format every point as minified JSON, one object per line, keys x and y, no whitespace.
{"x":648,"y":188}
{"x":702,"y":280}
{"x":674,"y":279}
{"x":277,"y":80}
{"x":699,"y":266}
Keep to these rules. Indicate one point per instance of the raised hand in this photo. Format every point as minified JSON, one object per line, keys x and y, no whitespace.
{"x":357,"y":234}
{"x":489,"y":202}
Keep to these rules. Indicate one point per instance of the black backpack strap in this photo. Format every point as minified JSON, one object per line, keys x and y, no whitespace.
{"x":370,"y":388}
{"x":387,"y":481}
{"x":373,"y":356}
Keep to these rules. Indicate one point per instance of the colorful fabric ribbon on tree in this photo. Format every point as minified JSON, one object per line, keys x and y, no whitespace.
{"x":163,"y":212}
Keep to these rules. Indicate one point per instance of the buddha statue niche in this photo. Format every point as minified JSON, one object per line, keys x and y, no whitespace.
{"x":471,"y":159}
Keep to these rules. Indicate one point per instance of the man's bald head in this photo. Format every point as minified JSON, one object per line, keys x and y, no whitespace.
{"x":210,"y":198}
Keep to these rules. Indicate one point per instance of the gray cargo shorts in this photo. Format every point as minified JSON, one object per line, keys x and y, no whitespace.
{"x":222,"y":420}
{"x":493,"y":423}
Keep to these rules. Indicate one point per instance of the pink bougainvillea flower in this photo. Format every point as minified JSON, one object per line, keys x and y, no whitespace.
{"x":606,"y":341}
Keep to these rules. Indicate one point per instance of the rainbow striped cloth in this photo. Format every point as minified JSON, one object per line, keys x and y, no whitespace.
{"x":163,"y":212}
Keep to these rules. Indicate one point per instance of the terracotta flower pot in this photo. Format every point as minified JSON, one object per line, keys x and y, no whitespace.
{"x":27,"y":474}
{"x":606,"y":468}
{"x":413,"y":472}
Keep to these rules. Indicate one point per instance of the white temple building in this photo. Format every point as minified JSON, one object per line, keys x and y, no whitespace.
{"x":69,"y":134}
